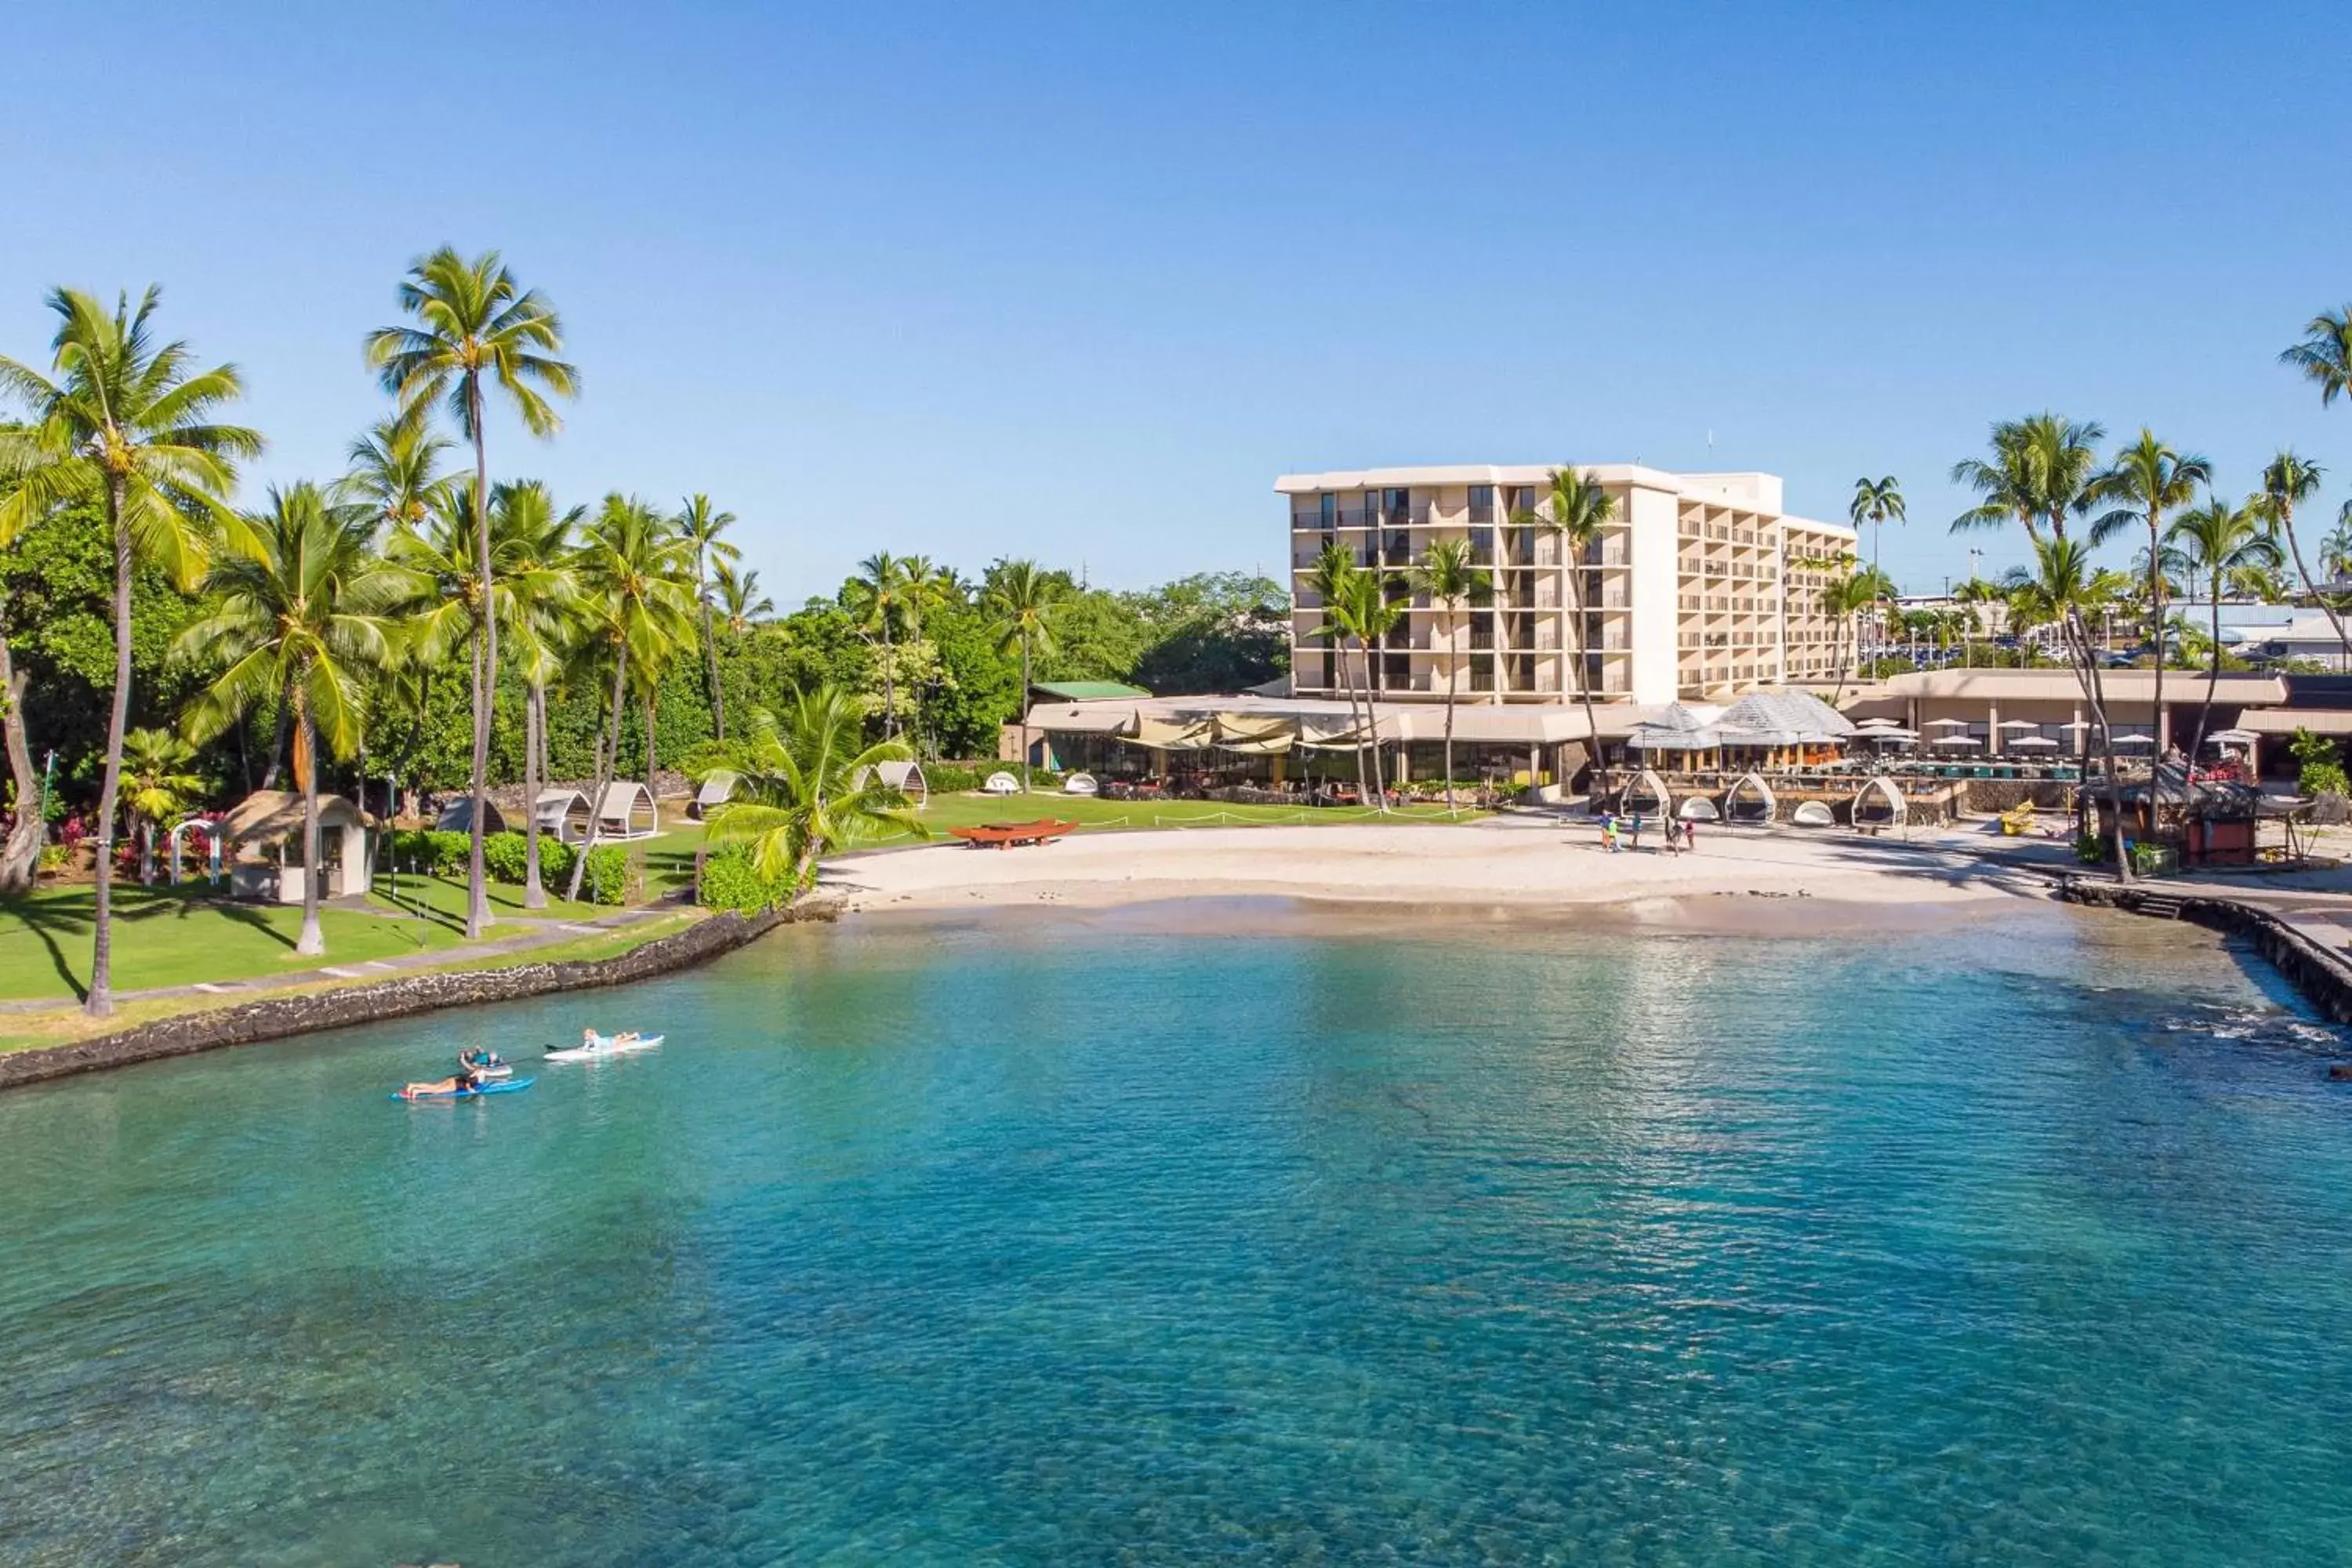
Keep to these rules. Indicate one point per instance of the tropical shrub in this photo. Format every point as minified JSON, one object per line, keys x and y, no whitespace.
{"x":442,"y":854}
{"x":2322,"y":764}
{"x":729,"y":881}
{"x":606,"y":880}
{"x":2090,"y":848}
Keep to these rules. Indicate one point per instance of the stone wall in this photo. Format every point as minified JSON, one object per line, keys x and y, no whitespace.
{"x":276,"y":1018}
{"x":1993,"y":796}
{"x":2324,"y":978}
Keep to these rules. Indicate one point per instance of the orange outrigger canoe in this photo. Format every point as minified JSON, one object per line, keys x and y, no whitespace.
{"x":1011,"y":835}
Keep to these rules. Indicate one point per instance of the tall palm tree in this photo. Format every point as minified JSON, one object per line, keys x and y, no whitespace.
{"x":1877,"y":502}
{"x":876,"y":599}
{"x":1024,"y":606}
{"x":1576,"y":511}
{"x":812,"y":785}
{"x":2040,"y":467}
{"x":2288,"y":481}
{"x":2066,"y":587}
{"x":1372,"y":613}
{"x":159,"y":781}
{"x":537,"y":597}
{"x":2145,"y":480}
{"x":476,"y":330}
{"x":924,"y":587}
{"x":1448,"y":573}
{"x":1333,"y":586}
{"x":740,"y":603}
{"x":2215,"y":540}
{"x":634,"y":573}
{"x":1845,"y":598}
{"x":700,"y":524}
{"x":299,"y":610}
{"x":2336,"y":550}
{"x":1973,"y":596}
{"x":130,"y":422}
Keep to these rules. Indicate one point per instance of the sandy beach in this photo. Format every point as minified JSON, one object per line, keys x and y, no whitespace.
{"x":1525,"y":864}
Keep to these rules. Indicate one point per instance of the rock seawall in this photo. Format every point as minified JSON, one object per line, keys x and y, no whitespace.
{"x":277,"y":1017}
{"x":2325,"y":978}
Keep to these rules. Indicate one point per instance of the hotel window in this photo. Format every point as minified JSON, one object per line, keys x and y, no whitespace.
{"x":1397,"y":671}
{"x":1481,"y":503}
{"x":1482,"y":546}
{"x":1331,"y":670}
{"x":1482,"y":672}
{"x":1328,"y":509}
{"x":1396,"y":507}
{"x":1523,"y":671}
{"x":1517,"y":500}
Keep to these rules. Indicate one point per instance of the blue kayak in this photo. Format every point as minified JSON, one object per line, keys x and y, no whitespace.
{"x":508,"y":1086}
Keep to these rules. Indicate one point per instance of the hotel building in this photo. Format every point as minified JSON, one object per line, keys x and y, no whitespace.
{"x":1699,"y":588}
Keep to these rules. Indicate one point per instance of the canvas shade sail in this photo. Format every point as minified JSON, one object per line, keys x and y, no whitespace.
{"x":1255,"y":733}
{"x":1163,"y":735}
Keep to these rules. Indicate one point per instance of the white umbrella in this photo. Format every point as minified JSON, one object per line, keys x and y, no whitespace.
{"x":1958,"y":741}
{"x":2233,"y":737}
{"x":1887,"y":734}
{"x":2017,"y":724}
{"x":2077,"y":724}
{"x":2134,"y":739}
{"x":2033,"y":743}
{"x":1946,"y":724}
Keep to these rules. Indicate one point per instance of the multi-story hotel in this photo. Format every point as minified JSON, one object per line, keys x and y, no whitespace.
{"x":1700,"y":586}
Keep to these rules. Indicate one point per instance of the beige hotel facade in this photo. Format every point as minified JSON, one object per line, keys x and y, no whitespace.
{"x":1700,"y":589}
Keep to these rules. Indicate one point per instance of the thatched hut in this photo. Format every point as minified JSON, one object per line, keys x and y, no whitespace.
{"x":263,"y":835}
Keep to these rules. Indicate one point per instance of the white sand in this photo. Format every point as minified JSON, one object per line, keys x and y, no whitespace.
{"x":1521,"y":862}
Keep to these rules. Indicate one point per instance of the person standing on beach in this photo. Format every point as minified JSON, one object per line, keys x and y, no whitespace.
{"x":1635,"y":827}
{"x":1674,"y":831}
{"x":1690,"y":837}
{"x":1608,"y":831}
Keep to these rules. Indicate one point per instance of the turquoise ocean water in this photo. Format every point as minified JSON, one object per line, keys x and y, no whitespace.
{"x":1122,"y":1239}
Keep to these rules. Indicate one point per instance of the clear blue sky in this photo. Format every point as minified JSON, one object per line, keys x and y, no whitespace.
{"x":1078,"y":282}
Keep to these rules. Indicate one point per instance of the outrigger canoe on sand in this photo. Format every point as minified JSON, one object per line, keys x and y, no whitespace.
{"x":1013,"y":835}
{"x":604,"y":1045}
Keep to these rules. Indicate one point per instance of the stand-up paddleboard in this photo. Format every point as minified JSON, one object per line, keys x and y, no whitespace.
{"x":509,"y":1085}
{"x":604,"y":1045}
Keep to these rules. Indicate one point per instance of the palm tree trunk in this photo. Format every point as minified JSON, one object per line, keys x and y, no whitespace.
{"x":710,"y":650}
{"x":2156,"y":607}
{"x":2295,"y":546}
{"x":100,"y":1003}
{"x":652,"y":762}
{"x":534,"y":702}
{"x":485,"y":675}
{"x":1583,"y":682}
{"x":2095,"y":691}
{"x":1024,"y":698}
{"x":2213,"y":677}
{"x":890,"y":694}
{"x":606,"y":765}
{"x":1373,"y":725}
{"x":1356,"y":724}
{"x":1453,"y":679}
{"x":278,"y":742}
{"x":21,"y":860}
{"x":146,"y":853}
{"x":314,"y":940}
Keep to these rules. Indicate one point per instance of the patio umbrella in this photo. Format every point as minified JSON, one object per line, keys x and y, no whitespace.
{"x":2233,"y":738}
{"x":1958,"y":741}
{"x":1946,"y":724}
{"x":2033,"y":743}
{"x":1887,"y":734}
{"x":2017,"y":724}
{"x":2135,"y":739}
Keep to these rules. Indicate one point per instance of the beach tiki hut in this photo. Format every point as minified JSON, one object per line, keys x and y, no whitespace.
{"x":457,"y":817}
{"x":627,"y":811}
{"x":1751,"y":800}
{"x":264,"y":832}
{"x":1878,"y":805}
{"x":564,"y":813}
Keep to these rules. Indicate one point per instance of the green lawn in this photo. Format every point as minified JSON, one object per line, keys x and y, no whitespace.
{"x":178,"y":938}
{"x":972,"y":810}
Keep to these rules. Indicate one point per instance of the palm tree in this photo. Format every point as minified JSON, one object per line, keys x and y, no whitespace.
{"x":130,"y":422}
{"x":1973,"y":594}
{"x":1579,"y":511}
{"x":2146,"y":480}
{"x":158,"y":784}
{"x":1449,"y":574}
{"x":1372,"y":613}
{"x":2064,"y":587}
{"x":2040,"y":466}
{"x":395,"y":471}
{"x":475,"y":328}
{"x":923,"y":585}
{"x":1844,"y":599}
{"x":1333,"y":585}
{"x":876,"y":597}
{"x":2217,"y":540}
{"x":812,"y":785}
{"x":1875,"y":502}
{"x":2287,"y":482}
{"x":2336,"y":550}
{"x":298,"y":611}
{"x":700,"y":524}
{"x":633,"y":577}
{"x":739,"y":599}
{"x":1024,"y":604}
{"x":538,"y":605}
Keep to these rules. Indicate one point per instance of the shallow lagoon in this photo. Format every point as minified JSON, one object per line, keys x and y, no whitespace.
{"x":1126,"y":1238}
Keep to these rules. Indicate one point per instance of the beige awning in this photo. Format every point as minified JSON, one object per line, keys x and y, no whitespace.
{"x":1164,"y":736}
{"x":2287,"y":720}
{"x":1255,"y":733}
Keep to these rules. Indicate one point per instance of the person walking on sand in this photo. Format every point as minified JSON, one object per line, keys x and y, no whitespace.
{"x":1608,"y":831}
{"x":1690,"y":837}
{"x":1674,"y":831}
{"x":1634,"y":830}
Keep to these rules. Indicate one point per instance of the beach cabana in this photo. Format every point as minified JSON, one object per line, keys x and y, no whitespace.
{"x":906,"y":778}
{"x":1751,"y":800}
{"x":564,"y":813}
{"x":1001,"y":783}
{"x":717,"y":787}
{"x":264,"y":833}
{"x":1878,"y":805}
{"x":1646,"y":796}
{"x":1812,"y":814}
{"x":1697,"y":808}
{"x":627,"y":811}
{"x":1081,"y":783}
{"x":457,"y":817}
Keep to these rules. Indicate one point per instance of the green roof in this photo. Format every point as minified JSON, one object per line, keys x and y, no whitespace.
{"x":1088,"y":691}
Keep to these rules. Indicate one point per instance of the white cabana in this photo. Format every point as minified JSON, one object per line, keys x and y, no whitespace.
{"x":564,"y":813}
{"x":1081,"y":783}
{"x":1646,"y":795}
{"x":906,"y":778}
{"x":1001,"y":783}
{"x":1878,"y":804}
{"x":718,"y":788}
{"x":1812,"y":814}
{"x":1697,"y":808}
{"x":1751,"y":800}
{"x":457,"y":817}
{"x":627,"y":811}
